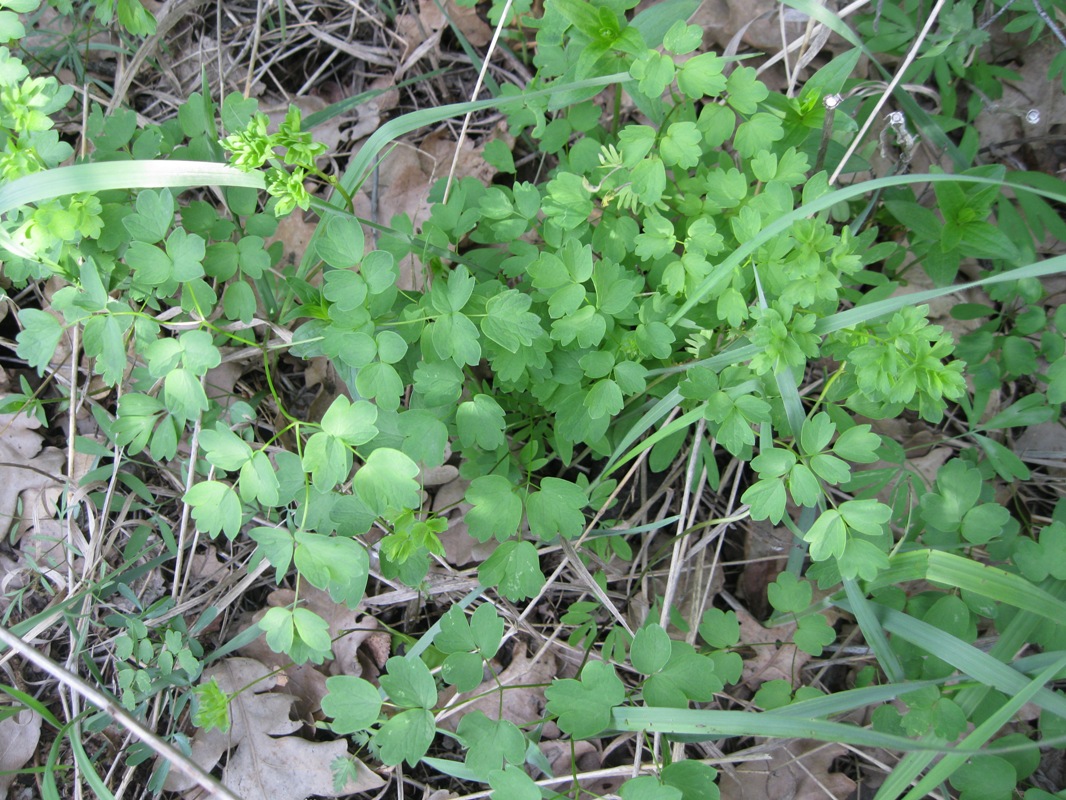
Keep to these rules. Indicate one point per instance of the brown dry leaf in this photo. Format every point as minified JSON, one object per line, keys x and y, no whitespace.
{"x":1043,"y":444}
{"x":206,"y":567}
{"x":722,"y":19}
{"x":798,"y":770}
{"x":1008,"y":119}
{"x":294,"y":232}
{"x":774,"y":656}
{"x":766,"y":549}
{"x":19,"y":735}
{"x":419,"y":33}
{"x":268,"y":762}
{"x":25,"y":467}
{"x":520,"y":706}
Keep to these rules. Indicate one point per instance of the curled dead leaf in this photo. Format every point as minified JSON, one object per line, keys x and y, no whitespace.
{"x":19,"y":735}
{"x":267,"y":760}
{"x":798,"y":770}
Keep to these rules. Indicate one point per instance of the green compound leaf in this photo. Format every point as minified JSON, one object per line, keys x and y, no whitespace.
{"x":816,"y":434}
{"x":720,"y":628}
{"x":299,"y":633}
{"x":686,"y":676}
{"x":352,"y":703}
{"x":680,"y":146}
{"x":584,"y":706}
{"x":183,"y":395}
{"x":215,"y":508}
{"x":567,"y":202}
{"x":407,"y":736}
{"x":104,"y":340}
{"x":650,"y":650}
{"x":647,"y":787}
{"x":557,"y":509}
{"x":499,"y":155}
{"x":701,"y":76}
{"x":512,"y":783}
{"x":341,"y":242}
{"x":789,"y":594}
{"x":464,"y":671}
{"x":351,"y":423}
{"x":481,"y":422}
{"x":682,"y":38}
{"x":491,"y":744}
{"x":276,"y":545}
{"x":259,"y":481}
{"x":386,"y":482}
{"x":693,"y":779}
{"x":487,"y":628}
{"x":813,"y":633}
{"x":758,"y":133}
{"x":514,"y":568}
{"x":455,"y":635}
{"x":382,"y":382}
{"x":38,"y":338}
{"x":985,"y":778}
{"x":154,"y":214}
{"x":858,"y":444}
{"x":345,"y":289}
{"x":828,"y":536}
{"x":225,"y":449}
{"x":497,"y":509}
{"x":746,"y":91}
{"x":654,"y":72}
{"x":409,"y":683}
{"x":327,"y":459}
{"x":509,"y":322}
{"x":198,"y":352}
{"x":136,"y":419}
{"x":333,"y":563}
{"x":767,"y":499}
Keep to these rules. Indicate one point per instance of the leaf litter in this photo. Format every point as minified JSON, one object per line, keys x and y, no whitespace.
{"x":266,"y":759}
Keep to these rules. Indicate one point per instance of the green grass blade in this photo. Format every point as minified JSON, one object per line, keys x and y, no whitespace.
{"x":864,"y":313}
{"x":88,"y":770}
{"x":408,"y":123}
{"x":1014,"y":636}
{"x":963,"y":573}
{"x":33,"y":703}
{"x":657,"y":412}
{"x":983,"y":732}
{"x":850,"y":699}
{"x":122,"y":175}
{"x":710,"y":723}
{"x":872,"y":632}
{"x":312,"y":121}
{"x":964,"y":657}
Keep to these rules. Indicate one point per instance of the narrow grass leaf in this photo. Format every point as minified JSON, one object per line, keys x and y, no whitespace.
{"x":983,"y":732}
{"x":873,"y":632}
{"x":122,"y":175}
{"x":962,"y":573}
{"x":966,"y":658}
